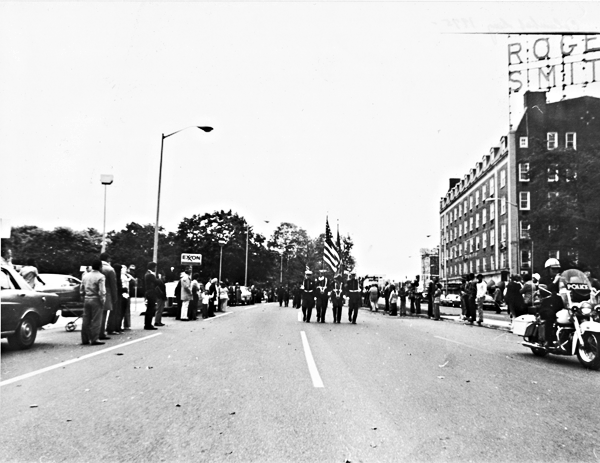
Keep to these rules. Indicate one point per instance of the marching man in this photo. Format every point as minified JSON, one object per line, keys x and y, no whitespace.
{"x":308,"y":296}
{"x":337,"y":298}
{"x":322,"y":297}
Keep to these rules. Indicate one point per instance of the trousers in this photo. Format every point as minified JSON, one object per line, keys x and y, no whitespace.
{"x":91,"y":320}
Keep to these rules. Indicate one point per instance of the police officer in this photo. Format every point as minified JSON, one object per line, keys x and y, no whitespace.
{"x":322,"y":297}
{"x":337,"y":298}
{"x":308,"y":296}
{"x":551,"y":302}
{"x":353,"y":291}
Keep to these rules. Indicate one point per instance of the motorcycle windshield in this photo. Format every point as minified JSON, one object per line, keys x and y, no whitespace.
{"x":577,"y":284}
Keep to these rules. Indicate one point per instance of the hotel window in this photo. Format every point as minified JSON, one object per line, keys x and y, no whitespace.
{"x":483,"y":264}
{"x":552,"y":140}
{"x":484,"y":240}
{"x":470,"y":202}
{"x":477,"y":243}
{"x":466,"y":246}
{"x":466,"y":228}
{"x":525,"y":230}
{"x":484,"y":192}
{"x":502,"y":206}
{"x":553,"y":174}
{"x":471,"y":267}
{"x":523,"y":142}
{"x":460,"y":210}
{"x":503,"y":233}
{"x":502,"y":260}
{"x":471,"y":224}
{"x":460,"y":251}
{"x":492,"y":237}
{"x":492,"y":211}
{"x":476,"y":220}
{"x":571,"y":140}
{"x":523,"y":172}
{"x":492,"y":186}
{"x":477,"y":266}
{"x":491,"y":262}
{"x":484,"y":216}
{"x":525,"y":258}
{"x":460,"y":229}
{"x":477,"y":198}
{"x":524,"y":200}
{"x":502,"y":178}
{"x":471,"y":245}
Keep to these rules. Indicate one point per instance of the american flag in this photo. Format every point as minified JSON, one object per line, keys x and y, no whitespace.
{"x":331,"y":255}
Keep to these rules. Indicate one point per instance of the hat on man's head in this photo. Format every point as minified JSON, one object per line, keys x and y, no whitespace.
{"x":536,"y":276}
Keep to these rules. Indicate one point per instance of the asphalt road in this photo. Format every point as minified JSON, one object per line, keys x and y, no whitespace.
{"x":239,"y":388}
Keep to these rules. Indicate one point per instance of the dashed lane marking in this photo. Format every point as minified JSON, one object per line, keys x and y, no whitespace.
{"x":312,"y":367}
{"x":69,"y":362}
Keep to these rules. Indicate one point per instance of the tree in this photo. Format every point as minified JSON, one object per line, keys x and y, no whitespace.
{"x":565,"y":215}
{"x":61,"y":250}
{"x":201,"y":234}
{"x":290,"y":246}
{"x":135,"y":245}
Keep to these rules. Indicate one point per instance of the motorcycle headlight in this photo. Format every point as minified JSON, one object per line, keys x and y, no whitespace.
{"x":585,"y":308}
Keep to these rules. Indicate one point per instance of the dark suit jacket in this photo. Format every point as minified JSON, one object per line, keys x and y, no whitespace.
{"x":111,"y":286}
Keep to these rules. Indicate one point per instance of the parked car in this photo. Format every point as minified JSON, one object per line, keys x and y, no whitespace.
{"x":453,"y":300}
{"x":490,"y":304}
{"x":67,"y":288}
{"x":23,"y":309}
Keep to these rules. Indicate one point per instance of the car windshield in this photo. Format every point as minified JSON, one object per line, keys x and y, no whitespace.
{"x":53,"y":281}
{"x":19,"y":280}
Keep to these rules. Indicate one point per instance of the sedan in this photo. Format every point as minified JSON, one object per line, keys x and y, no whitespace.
{"x":453,"y":300}
{"x":23,"y":309}
{"x":67,"y":288}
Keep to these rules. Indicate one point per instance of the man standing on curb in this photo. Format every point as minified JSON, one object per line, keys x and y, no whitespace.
{"x":471,"y":293}
{"x":152,"y":294}
{"x":353,"y":289}
{"x":93,"y":293}
{"x":481,"y":291}
{"x":111,"y":301}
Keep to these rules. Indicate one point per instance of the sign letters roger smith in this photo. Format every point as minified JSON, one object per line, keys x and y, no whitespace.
{"x":537,"y":62}
{"x":191,"y":259}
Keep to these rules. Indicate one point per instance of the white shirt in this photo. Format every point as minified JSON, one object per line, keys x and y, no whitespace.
{"x":481,"y":289}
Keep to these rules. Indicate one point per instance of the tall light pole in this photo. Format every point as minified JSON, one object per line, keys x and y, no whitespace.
{"x":222,"y":243}
{"x":162,"y":141}
{"x":105,"y":180}
{"x":246,"y":267}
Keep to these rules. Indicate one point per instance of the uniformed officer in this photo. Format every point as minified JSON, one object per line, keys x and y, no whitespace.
{"x":353,"y":291}
{"x":308,"y":296}
{"x":322,"y":295}
{"x":337,"y":298}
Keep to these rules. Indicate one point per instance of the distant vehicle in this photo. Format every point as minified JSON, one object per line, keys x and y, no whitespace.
{"x":23,"y":309}
{"x":453,"y":300}
{"x":67,"y":289}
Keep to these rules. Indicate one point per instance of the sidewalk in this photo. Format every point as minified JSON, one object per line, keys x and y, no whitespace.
{"x":490,"y":319}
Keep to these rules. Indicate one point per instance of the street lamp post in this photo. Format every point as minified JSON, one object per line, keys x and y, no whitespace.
{"x":105,"y":180}
{"x":246,"y":267}
{"x":162,"y":142}
{"x":222,"y":243}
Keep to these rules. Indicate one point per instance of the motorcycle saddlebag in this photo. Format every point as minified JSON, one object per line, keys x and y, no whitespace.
{"x":520,"y":324}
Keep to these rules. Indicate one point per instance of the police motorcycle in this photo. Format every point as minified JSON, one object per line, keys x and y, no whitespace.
{"x":577,"y":325}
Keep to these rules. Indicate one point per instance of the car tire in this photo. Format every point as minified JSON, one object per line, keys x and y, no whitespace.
{"x":25,"y":334}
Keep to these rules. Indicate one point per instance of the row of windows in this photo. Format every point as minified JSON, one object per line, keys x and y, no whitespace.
{"x":553,"y":173}
{"x":477,"y":243}
{"x":479,"y":196}
{"x":476,"y":266}
{"x":552,"y":141}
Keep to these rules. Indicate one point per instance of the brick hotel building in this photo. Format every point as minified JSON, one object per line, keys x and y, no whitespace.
{"x":483,"y":216}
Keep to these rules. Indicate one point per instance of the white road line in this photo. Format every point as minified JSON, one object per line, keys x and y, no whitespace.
{"x":312,"y":367}
{"x":68,"y":362}
{"x":217,"y":316}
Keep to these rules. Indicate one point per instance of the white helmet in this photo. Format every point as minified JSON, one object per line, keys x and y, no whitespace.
{"x":552,"y":262}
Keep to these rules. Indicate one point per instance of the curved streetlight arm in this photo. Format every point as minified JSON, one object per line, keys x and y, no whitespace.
{"x":162,"y":142}
{"x":205,"y":128}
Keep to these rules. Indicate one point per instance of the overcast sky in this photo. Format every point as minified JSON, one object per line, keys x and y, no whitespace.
{"x":360,"y":111}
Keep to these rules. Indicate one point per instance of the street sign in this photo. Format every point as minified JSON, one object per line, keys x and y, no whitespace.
{"x":191,"y":259}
